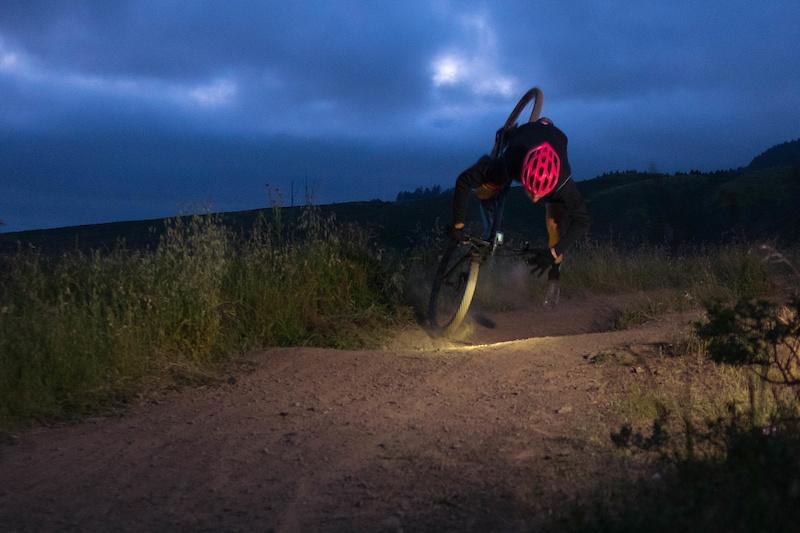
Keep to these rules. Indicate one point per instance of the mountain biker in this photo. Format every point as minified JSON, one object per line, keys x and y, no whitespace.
{"x":536,"y":155}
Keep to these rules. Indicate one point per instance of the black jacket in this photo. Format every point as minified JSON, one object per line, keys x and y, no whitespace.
{"x":508,"y":167}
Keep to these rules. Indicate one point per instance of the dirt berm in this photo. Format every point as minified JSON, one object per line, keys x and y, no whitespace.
{"x":488,"y":433}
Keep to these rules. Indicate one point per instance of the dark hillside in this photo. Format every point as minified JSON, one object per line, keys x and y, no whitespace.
{"x":629,"y":207}
{"x":782,"y":155}
{"x":626,"y":208}
{"x":679,"y":209}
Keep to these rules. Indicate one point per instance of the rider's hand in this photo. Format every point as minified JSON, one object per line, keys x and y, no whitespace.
{"x":541,"y":261}
{"x":457,"y":234}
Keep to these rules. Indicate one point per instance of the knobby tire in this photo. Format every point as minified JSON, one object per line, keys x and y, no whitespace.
{"x":537,"y":95}
{"x":453,"y":265}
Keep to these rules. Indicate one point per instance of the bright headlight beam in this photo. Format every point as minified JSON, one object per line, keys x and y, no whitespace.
{"x":495,"y":344}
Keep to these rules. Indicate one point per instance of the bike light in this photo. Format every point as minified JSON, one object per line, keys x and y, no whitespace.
{"x":497,"y":240}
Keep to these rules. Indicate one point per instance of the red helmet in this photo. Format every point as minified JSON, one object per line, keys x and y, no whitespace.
{"x":540,"y":169}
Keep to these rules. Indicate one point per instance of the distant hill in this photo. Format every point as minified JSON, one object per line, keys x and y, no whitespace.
{"x":629,"y":207}
{"x":695,"y":207}
{"x":782,"y":155}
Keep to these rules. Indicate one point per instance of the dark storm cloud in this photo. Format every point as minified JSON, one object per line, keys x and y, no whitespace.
{"x":623,"y":47}
{"x":130,"y":109}
{"x":347,"y":57}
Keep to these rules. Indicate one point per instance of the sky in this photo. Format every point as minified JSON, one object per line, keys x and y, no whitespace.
{"x":140,"y":109}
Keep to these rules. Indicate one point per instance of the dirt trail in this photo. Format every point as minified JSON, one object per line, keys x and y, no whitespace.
{"x":484,"y":434}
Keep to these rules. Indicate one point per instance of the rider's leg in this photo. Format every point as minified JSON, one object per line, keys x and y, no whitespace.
{"x":554,"y":221}
{"x":488,"y":198}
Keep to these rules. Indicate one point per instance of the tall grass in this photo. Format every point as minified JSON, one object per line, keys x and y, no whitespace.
{"x":666,"y":279}
{"x":81,"y":331}
{"x":323,"y":288}
{"x":703,"y":272}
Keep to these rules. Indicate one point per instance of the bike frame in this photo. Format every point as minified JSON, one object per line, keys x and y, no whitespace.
{"x":492,"y":215}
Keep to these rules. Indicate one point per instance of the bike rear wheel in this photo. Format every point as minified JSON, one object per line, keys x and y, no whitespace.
{"x":453,"y":288}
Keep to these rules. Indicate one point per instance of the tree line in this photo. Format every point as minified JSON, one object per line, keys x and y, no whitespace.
{"x":420,"y":193}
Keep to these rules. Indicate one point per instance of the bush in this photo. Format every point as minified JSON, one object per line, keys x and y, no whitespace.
{"x":747,"y":479}
{"x":739,"y":472}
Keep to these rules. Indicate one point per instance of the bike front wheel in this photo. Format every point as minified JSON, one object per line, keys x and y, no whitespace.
{"x":453,"y":288}
{"x":535,"y":95}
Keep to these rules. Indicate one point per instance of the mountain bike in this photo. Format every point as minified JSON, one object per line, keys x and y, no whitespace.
{"x":457,"y":274}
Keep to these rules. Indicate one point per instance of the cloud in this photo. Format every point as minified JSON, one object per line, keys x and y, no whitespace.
{"x":204,"y":100}
{"x":344,"y":68}
{"x":474,"y":63}
{"x":14,"y":62}
{"x":18,"y":65}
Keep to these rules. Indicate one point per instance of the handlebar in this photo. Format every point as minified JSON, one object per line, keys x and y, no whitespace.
{"x":490,"y":246}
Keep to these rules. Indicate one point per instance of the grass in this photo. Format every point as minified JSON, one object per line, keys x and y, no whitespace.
{"x":701,"y":272}
{"x":665,"y":280}
{"x":711,"y":413}
{"x":81,"y":331}
{"x":687,"y":385}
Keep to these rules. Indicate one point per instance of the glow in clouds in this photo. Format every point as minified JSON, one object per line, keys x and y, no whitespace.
{"x":12,"y":62}
{"x":474,"y":67}
{"x":217,"y":93}
{"x":8,"y":61}
{"x":448,"y":70}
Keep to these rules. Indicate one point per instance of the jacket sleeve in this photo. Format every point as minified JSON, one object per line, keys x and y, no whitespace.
{"x":473,"y":177}
{"x":575,"y":206}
